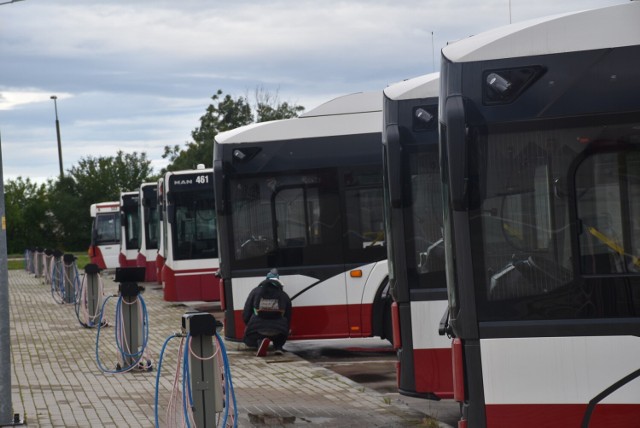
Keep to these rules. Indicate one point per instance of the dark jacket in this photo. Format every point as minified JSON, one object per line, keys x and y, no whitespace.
{"x":267,"y":310}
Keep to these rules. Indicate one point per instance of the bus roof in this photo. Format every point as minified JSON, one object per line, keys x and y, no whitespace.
{"x":608,"y":27}
{"x":426,"y":86}
{"x":189,"y":171}
{"x":101,"y":207}
{"x":359,"y":113}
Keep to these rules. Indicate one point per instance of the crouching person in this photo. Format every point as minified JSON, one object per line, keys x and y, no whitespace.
{"x":267,"y":315}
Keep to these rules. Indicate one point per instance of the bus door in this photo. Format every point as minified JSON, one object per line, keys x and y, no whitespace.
{"x":291,"y":222}
{"x":307,"y":231}
{"x":366,"y":268}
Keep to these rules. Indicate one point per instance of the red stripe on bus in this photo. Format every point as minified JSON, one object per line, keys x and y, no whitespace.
{"x":395,"y":326}
{"x":96,"y":257}
{"x":561,"y":415}
{"x":185,"y":288}
{"x":124,"y":262}
{"x":319,"y":322}
{"x":159,"y":266}
{"x":149,"y":267}
{"x":433,"y":369}
{"x":458,"y":370}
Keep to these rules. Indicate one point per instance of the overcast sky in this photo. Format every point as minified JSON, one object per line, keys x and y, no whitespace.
{"x":136,"y":75}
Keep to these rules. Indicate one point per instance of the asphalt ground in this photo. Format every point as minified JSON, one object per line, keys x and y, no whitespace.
{"x":56,"y":381}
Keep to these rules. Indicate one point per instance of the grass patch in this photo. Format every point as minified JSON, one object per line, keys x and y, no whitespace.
{"x":16,"y":261}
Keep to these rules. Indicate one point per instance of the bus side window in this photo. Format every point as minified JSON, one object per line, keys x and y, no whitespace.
{"x":607,"y":189}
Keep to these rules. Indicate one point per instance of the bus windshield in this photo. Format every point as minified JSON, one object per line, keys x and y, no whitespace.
{"x":424,"y":240}
{"x":557,"y":211}
{"x":107,"y":228}
{"x":294,"y":219}
{"x":132,"y":227}
{"x":151,"y":227}
{"x":195,"y":228}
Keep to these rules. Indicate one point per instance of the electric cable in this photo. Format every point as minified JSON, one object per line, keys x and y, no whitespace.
{"x":182,"y":381}
{"x":122,"y":344}
{"x":85,"y":318}
{"x":56,"y":280}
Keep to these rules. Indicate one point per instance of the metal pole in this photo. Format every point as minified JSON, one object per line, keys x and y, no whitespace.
{"x":433,"y":53}
{"x":55,"y":105}
{"x":6,"y":407}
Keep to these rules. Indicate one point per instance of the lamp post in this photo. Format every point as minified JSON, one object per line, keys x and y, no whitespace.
{"x":55,"y":105}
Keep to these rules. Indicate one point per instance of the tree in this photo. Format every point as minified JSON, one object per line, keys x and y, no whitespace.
{"x":93,"y":179}
{"x":70,"y":224}
{"x":227,"y":114}
{"x":103,"y":178}
{"x":26,"y":207}
{"x":268,"y":107}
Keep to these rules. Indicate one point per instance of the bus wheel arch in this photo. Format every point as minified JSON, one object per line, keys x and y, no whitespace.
{"x":381,"y":312}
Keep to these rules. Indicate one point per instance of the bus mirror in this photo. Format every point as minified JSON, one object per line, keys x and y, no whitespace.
{"x":456,"y":146}
{"x":171,"y":213}
{"x":147,"y":214}
{"x":217,"y":186}
{"x":394,"y":159}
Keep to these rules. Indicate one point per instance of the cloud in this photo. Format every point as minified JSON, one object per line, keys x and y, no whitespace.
{"x":138,"y":75}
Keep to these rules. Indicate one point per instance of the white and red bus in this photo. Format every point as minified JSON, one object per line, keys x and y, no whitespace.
{"x":413,"y":212}
{"x":105,"y":234}
{"x":149,"y":230}
{"x":305,"y":196}
{"x":540,"y":146}
{"x":160,"y":257}
{"x":130,"y":229}
{"x":191,"y":236}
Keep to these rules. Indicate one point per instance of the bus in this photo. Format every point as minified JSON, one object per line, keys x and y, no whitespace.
{"x":415,"y":247}
{"x":148,"y":245}
{"x":191,"y":236}
{"x":130,"y":229}
{"x":304,"y":195}
{"x":105,"y":234}
{"x":540,"y":146}
{"x":160,"y":257}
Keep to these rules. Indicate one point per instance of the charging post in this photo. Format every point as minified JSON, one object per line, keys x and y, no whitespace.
{"x":131,"y":316}
{"x":39,"y":262}
{"x":204,"y":372}
{"x":93,"y":293}
{"x":49,"y":265}
{"x":70,"y":277}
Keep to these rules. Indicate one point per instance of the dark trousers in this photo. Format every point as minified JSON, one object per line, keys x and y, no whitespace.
{"x":253,"y":340}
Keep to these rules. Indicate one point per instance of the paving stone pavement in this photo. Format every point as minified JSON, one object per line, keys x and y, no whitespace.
{"x":56,"y":381}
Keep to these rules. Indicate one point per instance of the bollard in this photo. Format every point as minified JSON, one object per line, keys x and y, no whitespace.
{"x":91,"y":294}
{"x":32,"y":265}
{"x":49,"y":266}
{"x":204,"y":372}
{"x":70,"y":275}
{"x":131,"y":327}
{"x":40,"y":262}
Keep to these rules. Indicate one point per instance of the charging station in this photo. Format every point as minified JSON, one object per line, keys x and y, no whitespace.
{"x":131,"y":323}
{"x":204,"y":373}
{"x":49,"y":266}
{"x":207,"y":387}
{"x":70,"y":277}
{"x":90,"y":294}
{"x":39,"y":262}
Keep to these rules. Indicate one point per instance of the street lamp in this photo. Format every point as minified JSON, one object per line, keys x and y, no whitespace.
{"x":55,"y":105}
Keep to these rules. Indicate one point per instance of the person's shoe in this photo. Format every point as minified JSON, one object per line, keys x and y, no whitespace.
{"x":262,"y":349}
{"x":278,"y":351}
